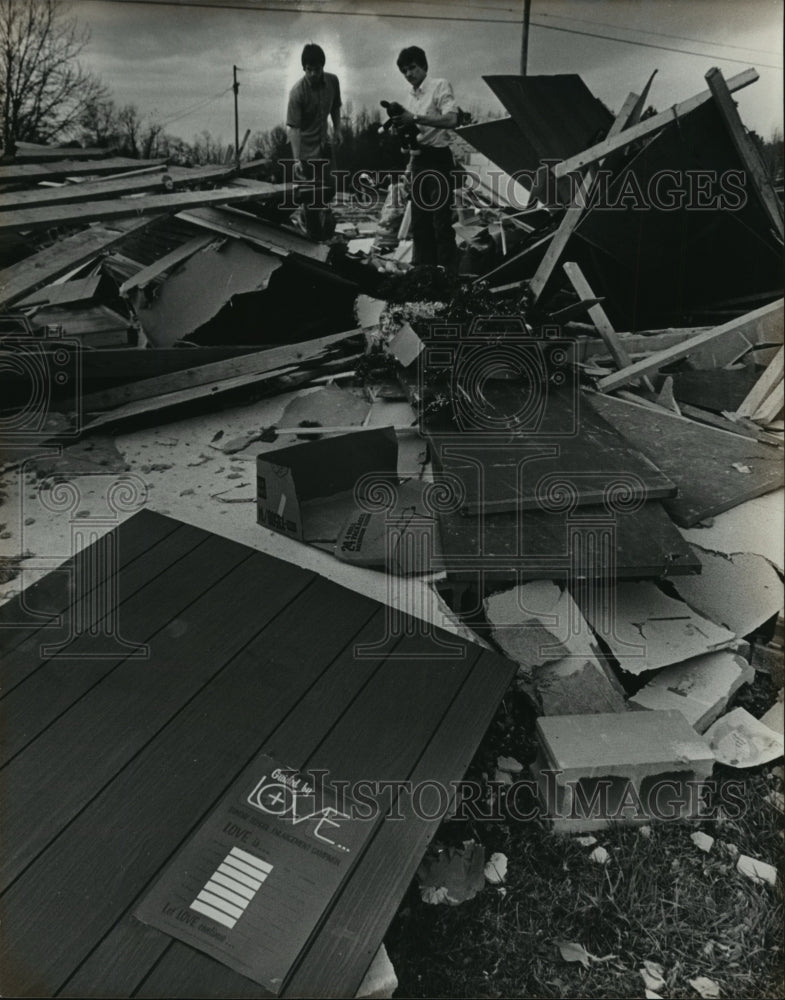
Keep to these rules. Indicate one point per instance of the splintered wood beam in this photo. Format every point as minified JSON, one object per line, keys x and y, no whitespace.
{"x":748,"y":154}
{"x":763,"y":387}
{"x":62,"y":215}
{"x":599,"y":318}
{"x":258,"y":363}
{"x":647,"y":127}
{"x":772,"y":405}
{"x":34,"y":272}
{"x":108,"y":187}
{"x":746,"y":327}
{"x":159,"y":266}
{"x":628,"y":115}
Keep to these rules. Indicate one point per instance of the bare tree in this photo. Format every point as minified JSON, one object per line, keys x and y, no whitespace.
{"x":43,"y":88}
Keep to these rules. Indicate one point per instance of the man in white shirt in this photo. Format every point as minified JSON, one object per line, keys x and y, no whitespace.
{"x":431,"y":106}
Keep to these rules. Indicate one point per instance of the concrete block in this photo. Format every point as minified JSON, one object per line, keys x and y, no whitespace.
{"x":630,"y":767}
{"x":700,"y":688}
{"x":380,"y":979}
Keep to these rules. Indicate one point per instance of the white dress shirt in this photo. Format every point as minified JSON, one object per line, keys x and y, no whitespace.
{"x":432,"y":99}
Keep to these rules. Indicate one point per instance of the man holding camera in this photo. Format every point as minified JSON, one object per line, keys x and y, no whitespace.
{"x":431,"y":107}
{"x":312,"y":101}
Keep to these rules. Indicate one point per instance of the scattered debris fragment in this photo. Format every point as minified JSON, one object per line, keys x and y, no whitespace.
{"x":496,"y":868}
{"x":702,"y":841}
{"x":451,"y":874}
{"x":652,"y":975}
{"x":705,"y":987}
{"x":738,"y":739}
{"x":600,"y":856}
{"x":758,"y":871}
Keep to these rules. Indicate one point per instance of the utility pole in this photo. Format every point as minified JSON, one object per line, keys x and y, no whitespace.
{"x":236,"y":88}
{"x":527,"y":8}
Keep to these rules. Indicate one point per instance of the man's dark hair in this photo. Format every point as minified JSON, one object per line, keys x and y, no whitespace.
{"x":412,"y":54}
{"x":313,"y":55}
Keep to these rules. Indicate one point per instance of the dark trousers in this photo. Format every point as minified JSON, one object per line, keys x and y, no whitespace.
{"x":433,"y":183}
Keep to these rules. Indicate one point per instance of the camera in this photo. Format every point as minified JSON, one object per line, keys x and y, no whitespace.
{"x":406,"y":133}
{"x":497,"y":378}
{"x":38,"y":369}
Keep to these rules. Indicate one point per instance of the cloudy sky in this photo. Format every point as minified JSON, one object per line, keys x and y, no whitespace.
{"x":174,"y":59}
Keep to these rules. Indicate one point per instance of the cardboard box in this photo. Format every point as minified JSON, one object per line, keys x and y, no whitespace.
{"x":290,"y":477}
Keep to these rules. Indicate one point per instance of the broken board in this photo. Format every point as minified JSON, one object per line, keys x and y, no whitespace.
{"x":555,"y":445}
{"x":246,"y":654}
{"x":707,"y":465}
{"x":589,"y":543}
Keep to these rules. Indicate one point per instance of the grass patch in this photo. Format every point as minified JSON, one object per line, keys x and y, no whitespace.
{"x":658,"y":899}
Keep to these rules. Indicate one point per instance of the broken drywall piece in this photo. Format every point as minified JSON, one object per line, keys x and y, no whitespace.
{"x":645,"y":629}
{"x":509,"y":764}
{"x":405,"y":346}
{"x":328,"y":406}
{"x":652,"y":975}
{"x":740,"y":740}
{"x":496,"y":869}
{"x":754,"y":526}
{"x":451,"y":874}
{"x":758,"y":871}
{"x":368,"y":310}
{"x":239,"y":443}
{"x":700,"y":688}
{"x":702,"y":841}
{"x":775,"y":717}
{"x":380,"y":981}
{"x":539,"y":623}
{"x":705,"y":987}
{"x":739,"y":591}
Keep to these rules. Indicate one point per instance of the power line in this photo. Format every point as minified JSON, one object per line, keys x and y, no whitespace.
{"x":292,"y":9}
{"x":607,"y":24}
{"x":170,"y":119}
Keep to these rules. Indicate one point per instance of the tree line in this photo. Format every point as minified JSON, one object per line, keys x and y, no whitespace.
{"x":47,"y":96}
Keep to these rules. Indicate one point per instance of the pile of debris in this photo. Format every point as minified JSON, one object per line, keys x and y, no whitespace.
{"x":485,"y":453}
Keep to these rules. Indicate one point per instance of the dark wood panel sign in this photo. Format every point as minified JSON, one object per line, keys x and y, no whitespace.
{"x":251,"y":886}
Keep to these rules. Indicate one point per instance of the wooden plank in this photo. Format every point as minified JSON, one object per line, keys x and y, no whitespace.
{"x":34,"y":152}
{"x":771,"y":407}
{"x":752,"y":324}
{"x":33,"y":173}
{"x":390,"y":753}
{"x":40,"y":605}
{"x":211,"y":739}
{"x":326,"y":674}
{"x":257,"y":363}
{"x":231,"y":223}
{"x":57,"y":682}
{"x":647,"y":127}
{"x":505,"y":471}
{"x":574,"y":213}
{"x":743,"y":428}
{"x":137,"y":698}
{"x":706,"y":464}
{"x":510,"y":548}
{"x":158,"y":267}
{"x":763,"y":387}
{"x":340,"y":956}
{"x":27,"y":219}
{"x":115,"y":185}
{"x":277,"y":381}
{"x":749,"y":155}
{"x":34,"y":272}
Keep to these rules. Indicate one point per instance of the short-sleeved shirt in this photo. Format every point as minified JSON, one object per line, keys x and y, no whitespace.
{"x":432,"y":99}
{"x":309,"y":108}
